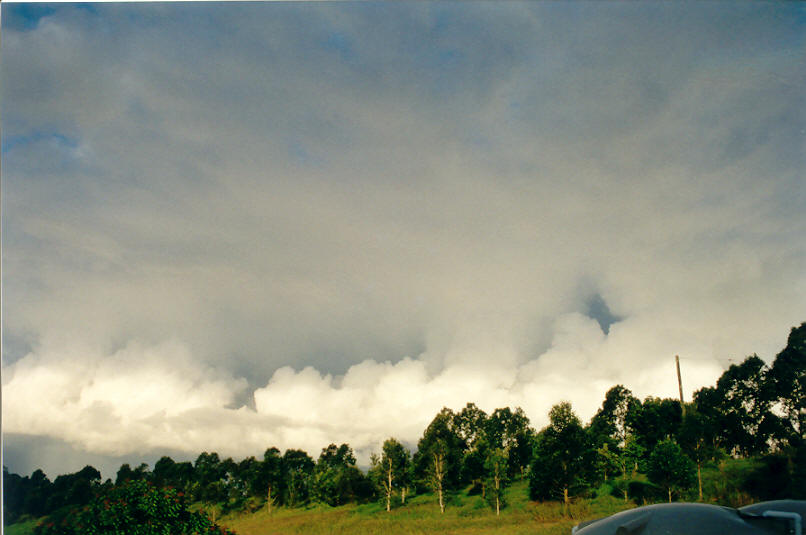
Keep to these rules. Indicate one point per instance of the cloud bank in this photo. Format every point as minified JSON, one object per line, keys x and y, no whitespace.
{"x":144,"y":399}
{"x":228,"y":227}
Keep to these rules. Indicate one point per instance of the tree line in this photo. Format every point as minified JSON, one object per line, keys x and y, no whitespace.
{"x":642,"y":450}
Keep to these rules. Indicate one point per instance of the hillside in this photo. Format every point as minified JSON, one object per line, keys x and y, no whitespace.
{"x":465,"y":515}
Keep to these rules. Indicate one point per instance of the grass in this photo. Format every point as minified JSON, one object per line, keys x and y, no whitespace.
{"x":464,"y":515}
{"x":21,"y":528}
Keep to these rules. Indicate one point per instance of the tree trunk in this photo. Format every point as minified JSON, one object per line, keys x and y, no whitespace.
{"x":403,"y":495}
{"x":389,"y":487}
{"x":699,"y":477}
{"x":268,"y":499}
{"x":497,"y":496}
{"x":565,"y":499}
{"x":626,"y":498}
{"x":439,"y":475}
{"x":441,"y":502}
{"x":670,"y":494}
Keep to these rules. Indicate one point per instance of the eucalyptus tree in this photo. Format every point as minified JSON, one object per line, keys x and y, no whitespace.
{"x":787,"y":376}
{"x":697,"y":440}
{"x":297,"y":467}
{"x":496,"y":467}
{"x":670,"y":468}
{"x":559,"y":461}
{"x":439,"y":454}
{"x":269,"y":480}
{"x":336,"y":478}
{"x":509,"y":431}
{"x":389,"y":471}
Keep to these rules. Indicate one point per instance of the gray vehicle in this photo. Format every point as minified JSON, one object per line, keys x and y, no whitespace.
{"x":783,"y":517}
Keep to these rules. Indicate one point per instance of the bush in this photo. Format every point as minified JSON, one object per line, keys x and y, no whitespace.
{"x":134,"y":508}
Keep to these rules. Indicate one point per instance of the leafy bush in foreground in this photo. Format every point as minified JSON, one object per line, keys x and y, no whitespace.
{"x":134,"y":508}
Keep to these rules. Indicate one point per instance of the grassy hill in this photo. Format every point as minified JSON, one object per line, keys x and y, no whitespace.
{"x":465,"y":515}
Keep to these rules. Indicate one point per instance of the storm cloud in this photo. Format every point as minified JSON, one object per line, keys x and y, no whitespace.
{"x":234,"y":226}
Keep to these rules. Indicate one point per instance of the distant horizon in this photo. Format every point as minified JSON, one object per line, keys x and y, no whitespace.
{"x":230,"y":226}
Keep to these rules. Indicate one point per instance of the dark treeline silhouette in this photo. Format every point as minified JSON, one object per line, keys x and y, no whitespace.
{"x":647,"y":450}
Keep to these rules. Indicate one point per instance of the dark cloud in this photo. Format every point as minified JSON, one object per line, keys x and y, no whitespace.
{"x":531,"y":198}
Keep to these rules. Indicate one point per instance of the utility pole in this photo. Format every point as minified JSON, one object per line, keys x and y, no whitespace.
{"x":679,"y":383}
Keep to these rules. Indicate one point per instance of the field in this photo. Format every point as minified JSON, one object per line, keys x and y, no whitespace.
{"x":464,"y":515}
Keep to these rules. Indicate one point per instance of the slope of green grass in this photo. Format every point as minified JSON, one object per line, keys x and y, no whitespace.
{"x":464,"y":515}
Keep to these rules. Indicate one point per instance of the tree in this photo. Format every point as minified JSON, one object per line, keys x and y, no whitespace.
{"x":135,"y":507}
{"x":208,"y":473}
{"x":496,"y":468}
{"x":73,"y":489}
{"x":697,"y":440}
{"x":297,"y":472}
{"x":336,"y":478}
{"x":558,"y":464}
{"x":437,"y":469}
{"x":510,"y":431}
{"x":389,"y":471}
{"x":163,"y":473}
{"x":38,"y":494}
{"x":607,"y":460}
{"x":610,"y":423}
{"x":14,"y":493}
{"x":745,"y":397}
{"x":125,"y":473}
{"x":439,"y":453}
{"x":669,"y":467}
{"x":473,"y":470}
{"x":655,"y":420}
{"x":787,"y":376}
{"x":470,"y":425}
{"x":270,"y":477}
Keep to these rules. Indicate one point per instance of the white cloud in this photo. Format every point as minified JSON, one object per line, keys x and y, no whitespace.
{"x":146,"y":398}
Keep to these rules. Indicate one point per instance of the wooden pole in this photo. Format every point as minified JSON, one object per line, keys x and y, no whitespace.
{"x":680,"y":383}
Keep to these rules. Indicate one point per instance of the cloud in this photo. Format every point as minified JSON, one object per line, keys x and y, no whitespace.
{"x":152,"y":398}
{"x":284,"y":223}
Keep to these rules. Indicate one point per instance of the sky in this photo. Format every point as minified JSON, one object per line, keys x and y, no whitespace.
{"x":230,"y":226}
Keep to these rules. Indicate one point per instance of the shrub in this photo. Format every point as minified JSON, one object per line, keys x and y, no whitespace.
{"x":133,"y":508}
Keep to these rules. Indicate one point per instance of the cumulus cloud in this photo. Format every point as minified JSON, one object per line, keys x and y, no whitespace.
{"x":229,"y":227}
{"x":142,"y":399}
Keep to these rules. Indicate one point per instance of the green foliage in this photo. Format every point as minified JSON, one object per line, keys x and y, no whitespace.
{"x":134,"y":508}
{"x":269,"y":481}
{"x":669,"y":468}
{"x":740,"y":407}
{"x":510,"y":431}
{"x":440,"y":443}
{"x":655,"y":420}
{"x":610,"y":424}
{"x":336,"y":479}
{"x":390,"y":473}
{"x":788,"y":384}
{"x":495,"y":466}
{"x":297,"y":469}
{"x":559,"y":462}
